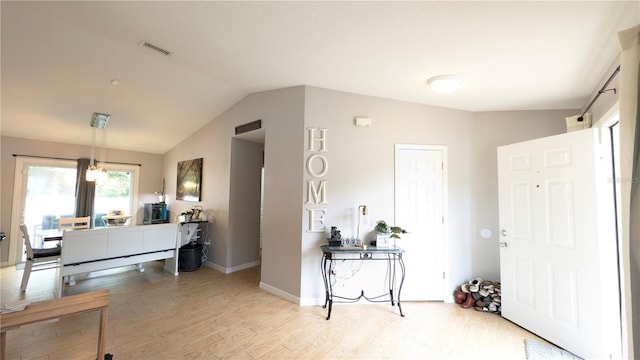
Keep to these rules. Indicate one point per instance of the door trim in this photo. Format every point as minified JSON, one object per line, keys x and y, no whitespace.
{"x":19,"y":182}
{"x":445,"y":208}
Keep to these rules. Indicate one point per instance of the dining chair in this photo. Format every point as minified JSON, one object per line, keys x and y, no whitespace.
{"x":74,"y":223}
{"x":37,"y":259}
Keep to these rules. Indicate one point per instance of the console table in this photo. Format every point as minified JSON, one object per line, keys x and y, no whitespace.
{"x":393,"y":257}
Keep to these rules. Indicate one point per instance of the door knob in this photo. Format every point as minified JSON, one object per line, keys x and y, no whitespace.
{"x":503,"y":232}
{"x":503,"y":244}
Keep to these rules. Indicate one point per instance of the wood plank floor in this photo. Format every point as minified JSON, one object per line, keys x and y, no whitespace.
{"x":208,"y":315}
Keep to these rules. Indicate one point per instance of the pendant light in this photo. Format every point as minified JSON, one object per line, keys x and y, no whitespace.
{"x":98,"y":121}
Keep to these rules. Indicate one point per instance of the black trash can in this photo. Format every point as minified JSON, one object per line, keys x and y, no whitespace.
{"x":190,"y":257}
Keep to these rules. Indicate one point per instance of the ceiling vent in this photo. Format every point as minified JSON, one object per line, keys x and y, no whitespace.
{"x":155,"y":48}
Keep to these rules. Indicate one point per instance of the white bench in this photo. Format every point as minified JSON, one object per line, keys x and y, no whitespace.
{"x":84,"y":251}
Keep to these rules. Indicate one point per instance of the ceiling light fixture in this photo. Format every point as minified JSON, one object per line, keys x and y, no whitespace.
{"x":444,"y":84}
{"x":98,"y":121}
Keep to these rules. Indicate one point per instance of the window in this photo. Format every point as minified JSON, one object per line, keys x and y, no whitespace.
{"x":118,"y":191}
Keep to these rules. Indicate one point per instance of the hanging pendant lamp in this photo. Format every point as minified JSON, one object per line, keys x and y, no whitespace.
{"x":98,"y":121}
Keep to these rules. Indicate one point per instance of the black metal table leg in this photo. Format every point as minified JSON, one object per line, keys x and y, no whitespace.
{"x":401,"y":282}
{"x":390,"y":255}
{"x":323,"y":269}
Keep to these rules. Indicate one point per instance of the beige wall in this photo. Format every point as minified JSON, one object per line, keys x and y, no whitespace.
{"x":361,"y":169}
{"x":490,"y":130}
{"x":150,"y":173}
{"x":282,"y":113}
{"x":361,"y":172}
{"x":244,"y":203}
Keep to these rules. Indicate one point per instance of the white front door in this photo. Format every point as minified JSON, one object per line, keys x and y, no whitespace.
{"x":558,"y":255}
{"x":420,"y":208}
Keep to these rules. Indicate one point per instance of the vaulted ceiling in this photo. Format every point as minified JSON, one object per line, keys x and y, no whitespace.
{"x":58,"y":59}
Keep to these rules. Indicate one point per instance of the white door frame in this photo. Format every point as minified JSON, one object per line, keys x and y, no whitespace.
{"x":19,"y":184}
{"x":445,"y":206}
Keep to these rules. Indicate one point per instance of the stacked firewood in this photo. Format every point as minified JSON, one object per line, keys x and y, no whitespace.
{"x":480,"y":294}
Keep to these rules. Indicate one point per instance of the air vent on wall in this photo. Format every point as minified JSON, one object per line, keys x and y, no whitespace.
{"x":155,"y":48}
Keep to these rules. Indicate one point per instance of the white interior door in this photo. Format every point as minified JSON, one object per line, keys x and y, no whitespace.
{"x":420,"y":208}
{"x":558,"y":255}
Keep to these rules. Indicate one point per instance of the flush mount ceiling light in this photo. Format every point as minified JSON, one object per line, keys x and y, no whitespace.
{"x":444,"y":84}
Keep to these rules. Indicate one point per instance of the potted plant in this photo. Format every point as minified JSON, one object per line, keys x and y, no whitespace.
{"x":386,"y":233}
{"x":186,"y":216}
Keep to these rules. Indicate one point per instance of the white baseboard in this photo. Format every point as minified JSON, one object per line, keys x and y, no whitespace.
{"x":312,"y":301}
{"x":217,"y":267}
{"x":225,"y":270}
{"x":279,"y":293}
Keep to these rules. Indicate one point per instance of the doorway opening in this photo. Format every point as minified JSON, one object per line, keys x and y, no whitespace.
{"x":246,"y":189}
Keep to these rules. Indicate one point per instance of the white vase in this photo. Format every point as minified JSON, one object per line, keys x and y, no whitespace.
{"x":383,"y":241}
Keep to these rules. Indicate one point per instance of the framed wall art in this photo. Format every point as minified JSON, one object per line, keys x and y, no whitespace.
{"x":189,"y":180}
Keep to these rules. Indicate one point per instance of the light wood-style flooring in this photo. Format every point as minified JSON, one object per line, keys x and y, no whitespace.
{"x":208,"y":315}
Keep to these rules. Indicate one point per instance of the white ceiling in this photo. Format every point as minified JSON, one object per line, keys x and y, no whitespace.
{"x":58,"y":58}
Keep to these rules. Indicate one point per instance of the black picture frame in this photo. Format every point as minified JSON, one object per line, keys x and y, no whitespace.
{"x":189,"y":180}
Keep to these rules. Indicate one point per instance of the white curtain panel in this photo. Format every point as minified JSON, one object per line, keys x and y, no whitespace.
{"x":629,"y":41}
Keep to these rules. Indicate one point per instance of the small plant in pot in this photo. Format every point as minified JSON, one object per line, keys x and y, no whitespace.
{"x":186,"y":215}
{"x":386,"y":233}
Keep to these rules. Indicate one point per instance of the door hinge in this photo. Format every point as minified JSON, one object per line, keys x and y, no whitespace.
{"x":443,"y":220}
{"x":443,"y":275}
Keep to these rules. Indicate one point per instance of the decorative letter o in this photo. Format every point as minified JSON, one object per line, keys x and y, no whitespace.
{"x":325,"y":165}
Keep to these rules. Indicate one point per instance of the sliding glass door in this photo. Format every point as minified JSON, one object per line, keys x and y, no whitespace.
{"x":45,"y":190}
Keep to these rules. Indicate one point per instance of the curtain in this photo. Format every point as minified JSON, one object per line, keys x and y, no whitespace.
{"x":85,"y":191}
{"x":629,"y":41}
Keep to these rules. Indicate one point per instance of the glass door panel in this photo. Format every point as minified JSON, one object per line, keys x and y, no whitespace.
{"x":49,"y":195}
{"x":116,"y":192}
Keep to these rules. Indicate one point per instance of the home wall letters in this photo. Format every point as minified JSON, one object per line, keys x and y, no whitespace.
{"x":317,"y":167}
